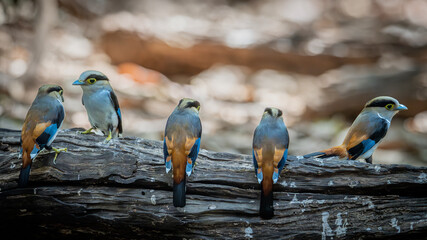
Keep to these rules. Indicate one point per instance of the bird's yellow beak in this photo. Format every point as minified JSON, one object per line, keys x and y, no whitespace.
{"x":401,"y":107}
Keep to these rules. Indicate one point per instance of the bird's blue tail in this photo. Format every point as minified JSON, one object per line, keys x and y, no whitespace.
{"x":179,"y":194}
{"x":24,"y":175}
{"x":266,"y":209}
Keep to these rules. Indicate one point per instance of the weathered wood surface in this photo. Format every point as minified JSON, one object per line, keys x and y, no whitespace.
{"x":120,"y":191}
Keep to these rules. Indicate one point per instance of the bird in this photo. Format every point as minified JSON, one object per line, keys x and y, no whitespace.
{"x":101,"y":104}
{"x":181,"y":145}
{"x":270,"y":151}
{"x":366,"y":132}
{"x":41,"y":125}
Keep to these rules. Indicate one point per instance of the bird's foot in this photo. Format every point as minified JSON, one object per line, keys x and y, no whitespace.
{"x":108,"y":138}
{"x":89,"y":131}
{"x":57,"y":151}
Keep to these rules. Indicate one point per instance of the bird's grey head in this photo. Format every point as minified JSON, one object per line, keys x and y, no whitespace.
{"x":91,"y":78}
{"x":386,"y":106}
{"x":188,"y":103}
{"x":53,"y":90}
{"x":272,"y":112}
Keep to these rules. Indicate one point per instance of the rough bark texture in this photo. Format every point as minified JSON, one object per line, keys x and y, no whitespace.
{"x":120,"y":191}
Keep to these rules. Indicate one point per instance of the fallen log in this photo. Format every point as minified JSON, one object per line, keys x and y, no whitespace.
{"x":120,"y":190}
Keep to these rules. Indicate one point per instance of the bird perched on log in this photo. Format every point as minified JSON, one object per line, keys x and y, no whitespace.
{"x":101,"y":104}
{"x":270,"y":151}
{"x":366,"y":132}
{"x":181,"y":145}
{"x":41,"y":125}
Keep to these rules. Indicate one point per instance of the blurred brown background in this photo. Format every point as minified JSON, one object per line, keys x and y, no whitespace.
{"x":318,"y":61}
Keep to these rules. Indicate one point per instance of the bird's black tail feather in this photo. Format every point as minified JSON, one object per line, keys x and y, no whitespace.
{"x":316,"y":154}
{"x":179,"y":194}
{"x":337,"y":151}
{"x":266,"y":209}
{"x":24,"y":175}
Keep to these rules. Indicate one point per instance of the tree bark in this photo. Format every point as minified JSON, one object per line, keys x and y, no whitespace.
{"x":120,"y":190}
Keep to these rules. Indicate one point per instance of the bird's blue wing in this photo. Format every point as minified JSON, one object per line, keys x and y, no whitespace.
{"x":115,"y":103}
{"x":367,"y":144}
{"x":282,"y":162}
{"x":258,"y":172}
{"x":255,"y":162}
{"x":193,"y":156}
{"x":280,"y":166}
{"x":48,"y":135}
{"x":35,"y":151}
{"x":168,"y":162}
{"x":21,"y":150}
{"x":195,"y":151}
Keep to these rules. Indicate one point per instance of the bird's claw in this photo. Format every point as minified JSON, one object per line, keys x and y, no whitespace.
{"x":57,"y":151}
{"x":89,"y":131}
{"x":108,"y":138}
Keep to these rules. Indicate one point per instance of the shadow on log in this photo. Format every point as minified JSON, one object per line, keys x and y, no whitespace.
{"x":120,"y":191}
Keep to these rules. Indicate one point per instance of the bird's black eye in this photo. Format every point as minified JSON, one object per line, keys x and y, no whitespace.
{"x":389,"y":106}
{"x":91,"y":80}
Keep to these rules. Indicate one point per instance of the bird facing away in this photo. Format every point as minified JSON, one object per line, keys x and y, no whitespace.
{"x":181,"y":145}
{"x":366,"y":132}
{"x":41,"y":125}
{"x":270,"y":151}
{"x":101,"y":104}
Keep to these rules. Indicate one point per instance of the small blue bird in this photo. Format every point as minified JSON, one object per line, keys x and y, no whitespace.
{"x":181,"y":145}
{"x":41,"y":125}
{"x":270,"y":151}
{"x":101,"y":104}
{"x":366,"y":132}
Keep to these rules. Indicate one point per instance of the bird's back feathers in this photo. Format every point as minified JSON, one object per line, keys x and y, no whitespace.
{"x":41,"y":125}
{"x":270,"y":144}
{"x":180,"y":148}
{"x":359,"y":144}
{"x":270,"y":150}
